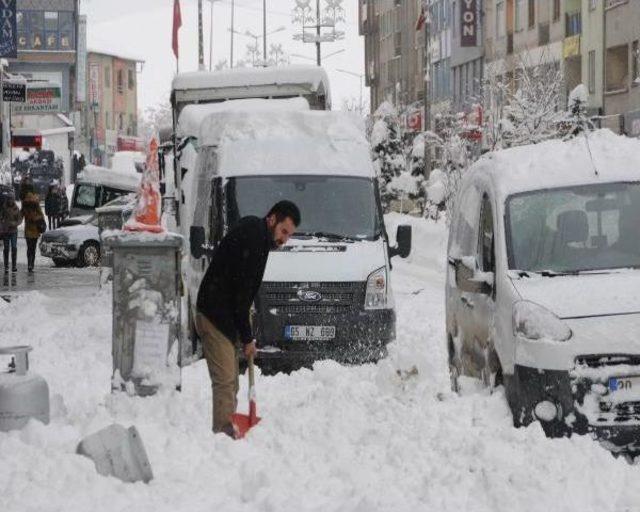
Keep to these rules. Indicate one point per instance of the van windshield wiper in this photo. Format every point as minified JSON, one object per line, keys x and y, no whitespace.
{"x":560,"y":273}
{"x":325,"y":234}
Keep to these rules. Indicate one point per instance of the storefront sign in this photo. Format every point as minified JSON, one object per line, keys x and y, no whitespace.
{"x":15,"y":92}
{"x":8,"y":29}
{"x":129,"y":143}
{"x":468,"y":23}
{"x":41,"y":99}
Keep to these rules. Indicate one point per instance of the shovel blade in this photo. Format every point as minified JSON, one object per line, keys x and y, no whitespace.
{"x":244,"y":422}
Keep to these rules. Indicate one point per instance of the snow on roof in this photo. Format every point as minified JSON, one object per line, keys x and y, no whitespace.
{"x":313,"y":142}
{"x":109,"y":177}
{"x":558,"y":163}
{"x":314,"y":76}
{"x":192,"y":116}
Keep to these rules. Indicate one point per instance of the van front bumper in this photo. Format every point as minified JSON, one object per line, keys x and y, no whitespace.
{"x":361,"y":337}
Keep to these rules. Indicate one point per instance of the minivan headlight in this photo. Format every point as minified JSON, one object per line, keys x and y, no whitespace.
{"x":534,"y":322}
{"x":376,"y":296}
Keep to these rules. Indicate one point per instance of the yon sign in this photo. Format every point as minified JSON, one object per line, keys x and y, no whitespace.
{"x":468,"y":23}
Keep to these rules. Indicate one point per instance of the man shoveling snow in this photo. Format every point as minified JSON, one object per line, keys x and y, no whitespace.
{"x":225,"y":297}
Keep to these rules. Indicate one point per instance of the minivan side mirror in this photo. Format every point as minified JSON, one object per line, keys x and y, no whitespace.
{"x":468,"y":278}
{"x":197,"y":240}
{"x":403,"y":242}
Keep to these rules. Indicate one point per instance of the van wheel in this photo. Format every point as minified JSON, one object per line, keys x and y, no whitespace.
{"x":89,"y":255}
{"x":455,"y":368}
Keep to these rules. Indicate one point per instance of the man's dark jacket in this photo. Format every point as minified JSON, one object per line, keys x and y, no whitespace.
{"x":233,"y":278}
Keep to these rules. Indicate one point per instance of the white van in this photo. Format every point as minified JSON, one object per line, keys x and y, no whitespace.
{"x":543,"y":283}
{"x":327,"y":293}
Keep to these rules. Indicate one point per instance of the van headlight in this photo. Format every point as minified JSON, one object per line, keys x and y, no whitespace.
{"x":534,"y":322}
{"x":376,"y":296}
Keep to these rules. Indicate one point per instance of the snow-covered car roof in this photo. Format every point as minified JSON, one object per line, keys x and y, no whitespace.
{"x":291,"y":142}
{"x":606,"y":158}
{"x":110,"y":178}
{"x":192,"y":116}
{"x":239,"y":82}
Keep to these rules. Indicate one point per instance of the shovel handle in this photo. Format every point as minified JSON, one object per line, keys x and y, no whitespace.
{"x":251,"y":374}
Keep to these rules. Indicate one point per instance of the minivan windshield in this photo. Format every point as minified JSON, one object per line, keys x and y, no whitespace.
{"x":331,"y":207}
{"x":85,"y":196}
{"x":589,"y":227}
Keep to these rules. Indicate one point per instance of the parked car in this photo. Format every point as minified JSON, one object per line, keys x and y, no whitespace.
{"x":77,"y":243}
{"x":41,"y":167}
{"x":542,"y":284}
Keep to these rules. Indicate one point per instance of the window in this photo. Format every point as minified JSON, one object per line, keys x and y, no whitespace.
{"x":132,"y":79}
{"x":36,"y":29}
{"x":519,"y":15}
{"x":45,"y":30}
{"x":532,"y":13}
{"x":617,"y":68}
{"x":120,"y":122}
{"x":500,"y":20}
{"x":120,"y":81}
{"x":635,"y":71}
{"x":107,"y":77}
{"x":592,"y":71}
{"x":485,"y":243}
{"x":593,"y":4}
{"x":574,"y":24}
{"x":107,"y":120}
{"x":556,"y":10}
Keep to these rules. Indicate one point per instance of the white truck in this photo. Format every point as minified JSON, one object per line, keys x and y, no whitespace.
{"x":327,"y":293}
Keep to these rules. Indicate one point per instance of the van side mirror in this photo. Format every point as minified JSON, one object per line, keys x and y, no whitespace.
{"x":197,"y":240}
{"x":403,"y":242}
{"x":469,"y":278}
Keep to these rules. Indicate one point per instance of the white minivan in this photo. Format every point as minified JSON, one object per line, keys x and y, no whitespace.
{"x":543,"y":283}
{"x":327,"y":293}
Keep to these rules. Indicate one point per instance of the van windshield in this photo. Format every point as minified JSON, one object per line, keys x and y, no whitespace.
{"x":592,"y":227}
{"x":330,"y":206}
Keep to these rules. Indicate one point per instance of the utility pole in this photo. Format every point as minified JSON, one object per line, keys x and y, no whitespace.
{"x":264,"y":32}
{"x":318,"y":46}
{"x":427,"y":84}
{"x":200,"y":38}
{"x":233,"y":28}
{"x":211,"y":39}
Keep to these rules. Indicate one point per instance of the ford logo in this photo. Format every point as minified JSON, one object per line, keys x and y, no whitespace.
{"x":309,"y":295}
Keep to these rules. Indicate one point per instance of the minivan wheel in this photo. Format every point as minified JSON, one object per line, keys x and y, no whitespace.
{"x":89,"y":255}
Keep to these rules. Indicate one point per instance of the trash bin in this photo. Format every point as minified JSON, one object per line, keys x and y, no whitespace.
{"x":146,"y":311}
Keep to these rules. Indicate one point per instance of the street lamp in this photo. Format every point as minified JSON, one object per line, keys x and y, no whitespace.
{"x":256,"y":38}
{"x":357,"y":75}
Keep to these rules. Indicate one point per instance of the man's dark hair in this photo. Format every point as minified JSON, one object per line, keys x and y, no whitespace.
{"x":284,"y":209}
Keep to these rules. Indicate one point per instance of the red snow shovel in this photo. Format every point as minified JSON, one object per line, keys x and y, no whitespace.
{"x":244,"y":422}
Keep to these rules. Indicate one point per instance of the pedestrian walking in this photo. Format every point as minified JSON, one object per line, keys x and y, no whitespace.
{"x":34,"y":225}
{"x":225,"y":297}
{"x":63,"y":211}
{"x":52,"y":205}
{"x":10,"y":219}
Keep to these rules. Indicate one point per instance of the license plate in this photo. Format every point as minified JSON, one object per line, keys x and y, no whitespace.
{"x":310,"y":332}
{"x":624,"y":385}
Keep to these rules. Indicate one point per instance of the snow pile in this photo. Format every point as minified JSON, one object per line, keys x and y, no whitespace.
{"x":436,"y":187}
{"x":558,"y":163}
{"x":192,"y":116}
{"x":384,"y":437}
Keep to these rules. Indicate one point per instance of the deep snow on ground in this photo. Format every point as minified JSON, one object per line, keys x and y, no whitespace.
{"x":382,"y":437}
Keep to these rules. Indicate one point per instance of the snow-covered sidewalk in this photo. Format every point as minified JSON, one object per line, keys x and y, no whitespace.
{"x":379,"y":437}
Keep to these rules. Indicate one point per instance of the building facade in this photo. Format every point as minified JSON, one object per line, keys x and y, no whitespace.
{"x":112,"y":115}
{"x":47,"y":32}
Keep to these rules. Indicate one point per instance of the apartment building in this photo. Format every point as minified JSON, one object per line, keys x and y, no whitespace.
{"x":621,"y":82}
{"x":394,"y":51}
{"x":440,"y":57}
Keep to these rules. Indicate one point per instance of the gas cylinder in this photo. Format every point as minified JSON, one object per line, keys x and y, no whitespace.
{"x":23,"y":395}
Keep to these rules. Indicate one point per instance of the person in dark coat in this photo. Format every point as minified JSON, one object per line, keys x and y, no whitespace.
{"x":52,"y":205}
{"x":63,"y":211}
{"x":34,"y":226}
{"x":225,"y":297}
{"x":10,"y":219}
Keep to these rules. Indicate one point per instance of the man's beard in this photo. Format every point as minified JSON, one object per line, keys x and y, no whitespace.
{"x":273,"y":243}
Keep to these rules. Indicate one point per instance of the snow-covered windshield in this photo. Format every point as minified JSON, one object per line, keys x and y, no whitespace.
{"x":340,"y":206}
{"x":593,"y":227}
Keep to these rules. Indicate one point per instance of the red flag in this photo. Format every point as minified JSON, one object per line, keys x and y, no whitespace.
{"x":421,"y":19}
{"x":177,"y":23}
